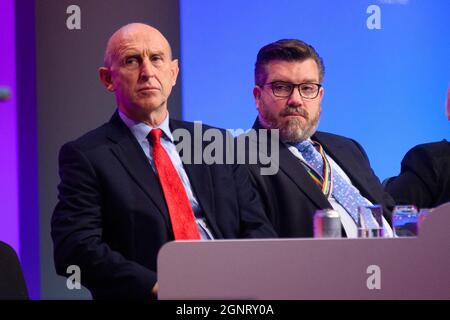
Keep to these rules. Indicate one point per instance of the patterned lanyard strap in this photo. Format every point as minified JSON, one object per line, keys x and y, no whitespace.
{"x":325,"y":180}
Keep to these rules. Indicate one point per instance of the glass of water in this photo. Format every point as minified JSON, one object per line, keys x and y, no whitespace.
{"x":422,"y":216}
{"x":370,"y":222}
{"x":404,"y":221}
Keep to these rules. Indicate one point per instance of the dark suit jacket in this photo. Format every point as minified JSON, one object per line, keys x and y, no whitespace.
{"x":12,"y":282}
{"x":111,"y":218}
{"x":424,"y":179}
{"x":291,"y":197}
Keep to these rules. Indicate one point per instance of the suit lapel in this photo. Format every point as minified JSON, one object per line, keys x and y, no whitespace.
{"x":294,"y":169}
{"x":348,"y":164}
{"x":200,"y":179}
{"x":201,"y":182}
{"x":130,"y":154}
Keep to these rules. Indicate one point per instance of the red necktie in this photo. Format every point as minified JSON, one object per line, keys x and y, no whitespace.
{"x":180,"y":210}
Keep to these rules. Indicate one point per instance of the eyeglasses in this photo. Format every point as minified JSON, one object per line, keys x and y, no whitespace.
{"x":284,"y":89}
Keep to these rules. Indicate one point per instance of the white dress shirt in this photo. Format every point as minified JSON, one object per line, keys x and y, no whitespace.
{"x":140,"y":131}
{"x":350,"y":227}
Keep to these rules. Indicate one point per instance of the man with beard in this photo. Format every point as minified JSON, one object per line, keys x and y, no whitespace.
{"x":317,"y":170}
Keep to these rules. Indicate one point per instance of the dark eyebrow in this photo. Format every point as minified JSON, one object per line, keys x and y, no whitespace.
{"x":306,"y":81}
{"x":283,"y":81}
{"x":311,"y":81}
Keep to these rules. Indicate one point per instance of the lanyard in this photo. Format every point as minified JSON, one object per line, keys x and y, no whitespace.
{"x":324,"y":180}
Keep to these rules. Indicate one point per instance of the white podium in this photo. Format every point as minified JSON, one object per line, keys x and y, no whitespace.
{"x":292,"y":269}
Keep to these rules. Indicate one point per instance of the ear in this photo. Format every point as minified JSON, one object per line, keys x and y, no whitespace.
{"x":105,"y":77}
{"x":321,"y":91}
{"x":174,"y":70}
{"x":256,"y":92}
{"x":257,"y":95}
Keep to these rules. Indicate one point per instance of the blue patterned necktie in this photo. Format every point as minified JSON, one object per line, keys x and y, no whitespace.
{"x":344,"y":193}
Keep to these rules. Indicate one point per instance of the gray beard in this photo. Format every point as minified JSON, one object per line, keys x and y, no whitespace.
{"x":292,"y":132}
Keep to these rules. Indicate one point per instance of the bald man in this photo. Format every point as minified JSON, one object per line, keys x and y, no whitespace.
{"x":116,"y":208}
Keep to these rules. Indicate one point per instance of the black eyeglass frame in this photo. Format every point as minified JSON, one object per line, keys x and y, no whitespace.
{"x":293,"y":86}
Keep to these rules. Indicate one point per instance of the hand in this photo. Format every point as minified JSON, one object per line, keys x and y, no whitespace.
{"x":155,"y":289}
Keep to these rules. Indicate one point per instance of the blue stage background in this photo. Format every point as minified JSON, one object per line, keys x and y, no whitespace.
{"x":385,"y":87}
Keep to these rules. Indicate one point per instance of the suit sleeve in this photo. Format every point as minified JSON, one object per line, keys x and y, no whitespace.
{"x":76,"y":230}
{"x":254,"y":222}
{"x":416,"y":182}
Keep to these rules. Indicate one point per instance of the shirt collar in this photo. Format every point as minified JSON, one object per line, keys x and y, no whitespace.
{"x":294,"y":149}
{"x":141,"y":130}
{"x":293,"y":144}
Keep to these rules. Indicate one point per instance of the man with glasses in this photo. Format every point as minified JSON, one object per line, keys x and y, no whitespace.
{"x":317,"y":170}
